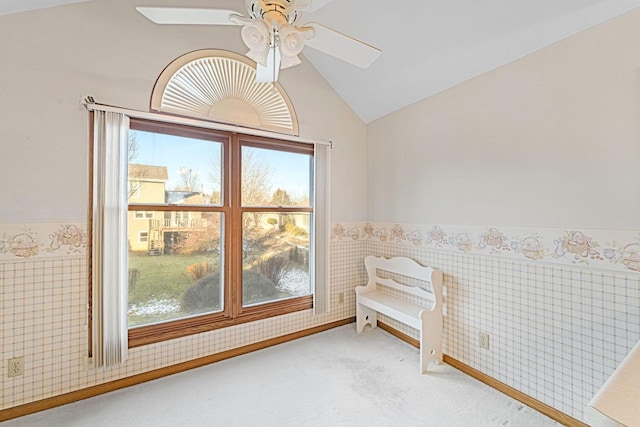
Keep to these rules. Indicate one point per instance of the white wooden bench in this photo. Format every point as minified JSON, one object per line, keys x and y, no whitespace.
{"x":425,"y":317}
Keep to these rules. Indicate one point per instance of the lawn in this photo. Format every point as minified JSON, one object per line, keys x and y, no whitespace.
{"x":161,"y":282}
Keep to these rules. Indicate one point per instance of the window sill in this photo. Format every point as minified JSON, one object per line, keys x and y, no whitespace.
{"x":151,"y":334}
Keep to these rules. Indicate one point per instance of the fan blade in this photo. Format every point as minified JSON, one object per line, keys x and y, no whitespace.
{"x":189,"y":16}
{"x":311,"y":5}
{"x":342,"y":46}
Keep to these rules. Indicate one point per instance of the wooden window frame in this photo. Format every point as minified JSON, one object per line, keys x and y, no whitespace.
{"x":231,"y":208}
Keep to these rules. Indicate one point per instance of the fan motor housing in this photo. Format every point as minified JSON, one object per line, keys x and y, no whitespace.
{"x":286,"y":8}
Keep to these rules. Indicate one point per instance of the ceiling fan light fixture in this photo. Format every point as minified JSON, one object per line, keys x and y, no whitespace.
{"x":255,"y":36}
{"x":291,"y":40}
{"x":289,"y":61}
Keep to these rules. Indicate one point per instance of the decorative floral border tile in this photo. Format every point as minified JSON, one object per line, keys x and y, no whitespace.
{"x":42,"y":240}
{"x":607,"y":249}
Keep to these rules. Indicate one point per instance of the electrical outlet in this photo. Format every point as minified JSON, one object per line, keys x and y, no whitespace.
{"x":483,"y":340}
{"x":15,"y":367}
{"x":341,"y":298}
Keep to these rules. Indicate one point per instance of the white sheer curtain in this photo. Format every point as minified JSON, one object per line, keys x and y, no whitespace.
{"x":321,"y":229}
{"x":109,"y":228}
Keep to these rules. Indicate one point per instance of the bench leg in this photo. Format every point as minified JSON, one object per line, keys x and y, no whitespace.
{"x":364,"y":316}
{"x":430,"y":347}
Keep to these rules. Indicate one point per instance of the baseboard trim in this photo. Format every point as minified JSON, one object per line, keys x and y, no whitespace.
{"x":543,"y":408}
{"x":74,"y":396}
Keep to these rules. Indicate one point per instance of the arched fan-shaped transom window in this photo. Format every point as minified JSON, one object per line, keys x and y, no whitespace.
{"x":221,"y":86}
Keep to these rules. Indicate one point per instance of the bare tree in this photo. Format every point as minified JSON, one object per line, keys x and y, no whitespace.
{"x":256,"y":191}
{"x":133,"y":147}
{"x":255,"y":187}
{"x":137,"y":173}
{"x":188,"y":179}
{"x":215,"y":178}
{"x":204,"y":238}
{"x":255,"y":180}
{"x":255,"y":177}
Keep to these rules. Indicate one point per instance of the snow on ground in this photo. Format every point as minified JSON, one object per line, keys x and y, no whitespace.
{"x":295,"y":282}
{"x":155,"y":306}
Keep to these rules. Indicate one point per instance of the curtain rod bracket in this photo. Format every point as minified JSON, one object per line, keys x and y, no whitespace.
{"x":86,"y":100}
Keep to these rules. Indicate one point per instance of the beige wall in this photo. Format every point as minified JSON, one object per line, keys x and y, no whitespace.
{"x":104,"y":48}
{"x":550,"y":140}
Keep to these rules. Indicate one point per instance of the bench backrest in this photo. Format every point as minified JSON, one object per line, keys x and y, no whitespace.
{"x":405,"y":267}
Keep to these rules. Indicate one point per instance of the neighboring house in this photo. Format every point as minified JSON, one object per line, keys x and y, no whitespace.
{"x":152,"y":231}
{"x":146,"y":185}
{"x":176,"y":222}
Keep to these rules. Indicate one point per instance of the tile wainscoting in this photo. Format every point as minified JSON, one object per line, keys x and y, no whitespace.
{"x":562,"y":311}
{"x":560,"y":317}
{"x":43,"y":317}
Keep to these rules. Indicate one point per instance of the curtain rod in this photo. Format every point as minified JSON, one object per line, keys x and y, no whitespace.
{"x":91,"y":105}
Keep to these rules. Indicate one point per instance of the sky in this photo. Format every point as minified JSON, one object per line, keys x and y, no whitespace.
{"x":290,"y":171}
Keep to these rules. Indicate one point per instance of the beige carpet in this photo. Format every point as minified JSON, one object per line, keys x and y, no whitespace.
{"x":335,"y":378}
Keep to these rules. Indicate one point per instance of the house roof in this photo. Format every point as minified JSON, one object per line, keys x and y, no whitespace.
{"x":148,"y":172}
{"x":427,"y":45}
{"x":187,"y":197}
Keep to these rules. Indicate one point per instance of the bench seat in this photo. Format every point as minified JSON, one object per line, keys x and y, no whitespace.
{"x":425,"y":316}
{"x":401,"y":310}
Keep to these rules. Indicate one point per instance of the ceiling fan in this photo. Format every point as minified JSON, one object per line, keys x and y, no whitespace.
{"x":272,"y":34}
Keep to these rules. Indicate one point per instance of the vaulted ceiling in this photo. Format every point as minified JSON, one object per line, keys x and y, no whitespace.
{"x":14,"y":6}
{"x":428,"y":45}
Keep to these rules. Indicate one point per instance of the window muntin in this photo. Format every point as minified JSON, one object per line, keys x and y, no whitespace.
{"x":224,"y":273}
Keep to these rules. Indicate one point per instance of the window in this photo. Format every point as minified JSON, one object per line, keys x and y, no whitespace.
{"x":141,"y":214}
{"x":223,"y":227}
